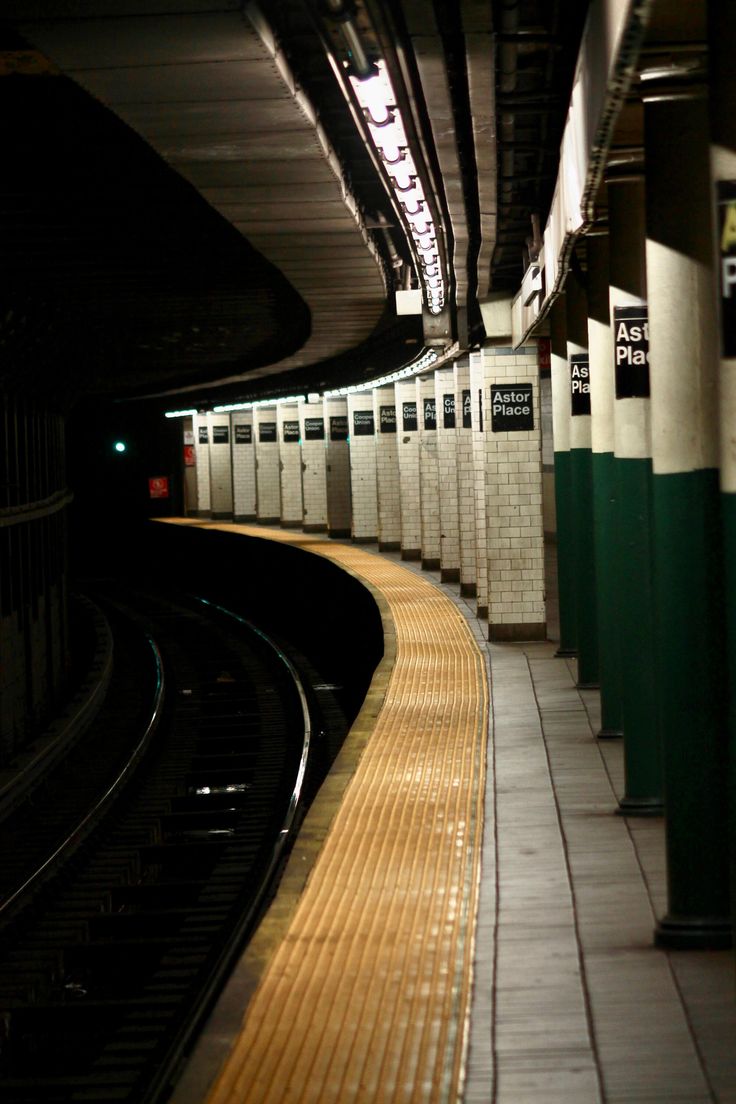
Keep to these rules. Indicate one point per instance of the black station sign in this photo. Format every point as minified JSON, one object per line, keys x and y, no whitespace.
{"x":243,"y":434}
{"x":266,"y":432}
{"x":631,"y":342}
{"x":448,"y":411}
{"x":314,"y":429}
{"x":480,"y":409}
{"x":580,"y":383}
{"x":430,"y":413}
{"x":512,"y":407}
{"x":221,"y":435}
{"x":388,"y":419}
{"x":363,"y":424}
{"x":203,"y":436}
{"x":726,"y":199}
{"x":290,"y":431}
{"x":338,"y":427}
{"x":409,"y":417}
{"x":467,"y":411}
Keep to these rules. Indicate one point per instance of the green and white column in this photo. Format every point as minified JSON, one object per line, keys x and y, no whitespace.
{"x":688,"y":573}
{"x":722,"y":34}
{"x":581,"y":482}
{"x":602,"y":399}
{"x":633,"y":489}
{"x":563,"y":480}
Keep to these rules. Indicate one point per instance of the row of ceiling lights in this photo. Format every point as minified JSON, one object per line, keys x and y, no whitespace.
{"x":414,"y":369}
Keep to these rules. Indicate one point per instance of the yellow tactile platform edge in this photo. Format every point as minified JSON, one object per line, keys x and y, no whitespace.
{"x":366,"y":997}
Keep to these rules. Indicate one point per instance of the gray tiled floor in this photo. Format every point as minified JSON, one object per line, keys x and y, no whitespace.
{"x":572,"y":1002}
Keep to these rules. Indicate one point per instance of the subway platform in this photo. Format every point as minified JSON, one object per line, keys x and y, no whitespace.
{"x":464,"y":916}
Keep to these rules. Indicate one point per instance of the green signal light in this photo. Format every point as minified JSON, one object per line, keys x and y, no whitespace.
{"x":120,"y":446}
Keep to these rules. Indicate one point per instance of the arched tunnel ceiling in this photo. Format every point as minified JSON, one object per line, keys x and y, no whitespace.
{"x":206,"y":230}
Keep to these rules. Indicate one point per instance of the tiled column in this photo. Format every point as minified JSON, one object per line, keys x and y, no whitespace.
{"x":290,"y":464}
{"x":387,"y":469}
{"x":190,"y":467}
{"x":408,"y":434}
{"x":338,"y":468}
{"x":465,"y":476}
{"x":202,"y":454}
{"x":447,"y":421}
{"x":516,"y":608}
{"x":267,"y":465}
{"x":564,"y":515}
{"x":221,"y":472}
{"x":479,"y":482}
{"x":428,"y":472}
{"x":244,"y":466}
{"x":363,"y":466}
{"x":314,"y":466}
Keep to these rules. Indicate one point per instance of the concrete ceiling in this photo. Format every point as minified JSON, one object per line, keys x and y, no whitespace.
{"x":261,"y":149}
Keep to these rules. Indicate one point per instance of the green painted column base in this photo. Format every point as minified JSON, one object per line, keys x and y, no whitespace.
{"x":565,"y":555}
{"x":584,"y":573}
{"x":703,"y":934}
{"x":609,"y":665}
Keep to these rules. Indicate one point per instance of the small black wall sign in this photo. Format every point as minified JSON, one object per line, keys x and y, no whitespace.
{"x":290,"y":432}
{"x":480,"y":409}
{"x":266,"y":432}
{"x":363,"y":425}
{"x":243,"y":435}
{"x":388,"y":419}
{"x":726,"y":199}
{"x":631,"y":342}
{"x":314,"y":429}
{"x":430,"y":413}
{"x":220,"y":435}
{"x":467,"y":411}
{"x":338,"y":427}
{"x":448,"y":411}
{"x":409,"y":417}
{"x":580,"y":383}
{"x":203,"y":436}
{"x":512,"y":407}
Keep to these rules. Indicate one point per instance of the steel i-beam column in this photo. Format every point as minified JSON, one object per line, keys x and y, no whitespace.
{"x":633,"y":488}
{"x":602,"y":399}
{"x":581,"y":482}
{"x":687,"y":540}
{"x":563,"y":480}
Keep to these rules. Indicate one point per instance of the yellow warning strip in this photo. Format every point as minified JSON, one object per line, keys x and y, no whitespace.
{"x":366,"y":997}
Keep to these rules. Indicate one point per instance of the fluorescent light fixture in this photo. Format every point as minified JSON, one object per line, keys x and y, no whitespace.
{"x":386,"y":129}
{"x":180,"y":413}
{"x":424,"y":362}
{"x":257,"y":402}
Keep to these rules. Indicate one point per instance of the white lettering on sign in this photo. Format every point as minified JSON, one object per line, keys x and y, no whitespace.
{"x":728,"y":275}
{"x":580,"y":379}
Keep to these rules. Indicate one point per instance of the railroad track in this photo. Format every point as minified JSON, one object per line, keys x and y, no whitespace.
{"x":110,"y":958}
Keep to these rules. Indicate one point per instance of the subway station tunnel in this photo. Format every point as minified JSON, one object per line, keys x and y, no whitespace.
{"x":450,"y":285}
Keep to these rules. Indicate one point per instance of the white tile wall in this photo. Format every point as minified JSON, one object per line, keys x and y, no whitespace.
{"x":244,"y":468}
{"x":339,"y":505}
{"x":428,"y":476}
{"x":267,"y":467}
{"x":387,"y":473}
{"x":477,"y":388}
{"x":465,"y":482}
{"x":290,"y":463}
{"x":221,"y":472}
{"x":314,"y":467}
{"x":408,"y":448}
{"x":363,"y":472}
{"x":444,"y":385}
{"x":514,"y":503}
{"x":202,"y":455}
